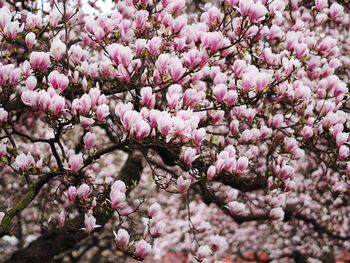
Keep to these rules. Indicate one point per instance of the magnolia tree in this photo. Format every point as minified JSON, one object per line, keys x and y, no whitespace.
{"x":217,"y":131}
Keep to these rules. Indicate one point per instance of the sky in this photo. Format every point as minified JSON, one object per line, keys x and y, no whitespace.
{"x":106,"y":5}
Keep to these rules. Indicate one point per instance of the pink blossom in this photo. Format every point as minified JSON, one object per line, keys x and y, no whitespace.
{"x":236,"y":208}
{"x":3,"y":116}
{"x":183,"y":184}
{"x":119,"y":186}
{"x":142,"y":129}
{"x":61,"y":218}
{"x":257,"y":12}
{"x":277,"y":213}
{"x":30,"y":39}
{"x":89,"y":140}
{"x":220,"y":92}
{"x":344,"y":152}
{"x":341,"y":138}
{"x":83,"y":192}
{"x":75,"y":161}
{"x":58,"y":49}
{"x":158,"y":229}
{"x":198,"y":136}
{"x":147,"y":97}
{"x":117,"y":198}
{"x":71,"y":194}
{"x":90,"y":223}
{"x":24,"y":162}
{"x":189,"y":155}
{"x":321,"y":4}
{"x":154,"y":210}
{"x":58,"y":81}
{"x":3,"y":150}
{"x":122,"y":238}
{"x":203,"y":252}
{"x":120,"y":54}
{"x":142,"y":249}
{"x":307,"y":132}
{"x":336,"y":11}
{"x":102,"y":112}
{"x":211,"y":172}
{"x":153,"y":46}
{"x":242,"y":164}
{"x":2,"y":215}
{"x":40,"y":60}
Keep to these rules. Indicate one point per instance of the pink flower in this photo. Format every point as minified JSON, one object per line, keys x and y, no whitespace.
{"x":122,"y":238}
{"x":75,"y":161}
{"x":203,"y":252}
{"x":242,"y":164}
{"x":164,"y":123}
{"x":83,"y":192}
{"x":58,"y":49}
{"x":321,"y":4}
{"x":307,"y":132}
{"x":30,"y":40}
{"x":3,"y":116}
{"x":89,"y":140}
{"x":344,"y":152}
{"x":142,"y":249}
{"x":142,"y":129}
{"x":94,"y":94}
{"x":176,"y":70}
{"x":277,"y":121}
{"x":336,"y":11}
{"x":153,"y":46}
{"x":11,"y":29}
{"x":76,"y":54}
{"x":189,"y":155}
{"x":23,"y":162}
{"x":120,"y":54}
{"x":71,"y":194}
{"x":286,"y":172}
{"x":2,"y":215}
{"x":231,"y":98}
{"x":147,"y":97}
{"x":157,"y":229}
{"x":61,"y":218}
{"x":183,"y":184}
{"x":175,"y":6}
{"x":218,"y":243}
{"x":257,"y":12}
{"x":261,"y":81}
{"x":40,"y":60}
{"x":154,"y":210}
{"x":341,"y":138}
{"x":58,"y":80}
{"x":3,"y":150}
{"x":117,"y":198}
{"x":219,"y":91}
{"x":198,"y":136}
{"x":238,"y":67}
{"x":90,"y":223}
{"x":236,"y":208}
{"x":119,"y":186}
{"x":5,"y":17}
{"x":31,"y":82}
{"x":212,"y":41}
{"x":211,"y":172}
{"x":102,"y":112}
{"x":57,"y":104}
{"x":277,"y":214}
